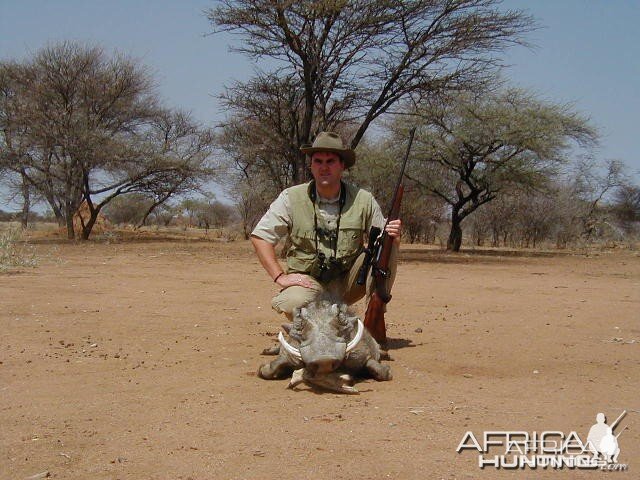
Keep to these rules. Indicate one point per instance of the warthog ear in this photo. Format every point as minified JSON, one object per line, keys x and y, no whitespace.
{"x":298,"y":322}
{"x":335,"y":310}
{"x":295,"y":329}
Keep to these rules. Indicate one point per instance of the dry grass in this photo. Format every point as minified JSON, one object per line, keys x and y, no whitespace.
{"x":14,"y":252}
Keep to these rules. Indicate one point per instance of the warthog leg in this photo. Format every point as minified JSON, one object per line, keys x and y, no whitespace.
{"x":279,"y":368}
{"x":273,"y":350}
{"x":384,"y":355}
{"x":378,"y":371}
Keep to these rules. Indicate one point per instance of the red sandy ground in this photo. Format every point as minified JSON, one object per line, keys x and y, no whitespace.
{"x":137,"y":360}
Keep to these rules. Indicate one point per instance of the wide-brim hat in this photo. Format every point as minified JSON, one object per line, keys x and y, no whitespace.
{"x":331,"y":142}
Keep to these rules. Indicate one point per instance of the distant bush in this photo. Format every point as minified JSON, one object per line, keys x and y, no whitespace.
{"x":13,"y":255}
{"x":5,"y":216}
{"x":34,"y":217}
{"x":128,"y":209}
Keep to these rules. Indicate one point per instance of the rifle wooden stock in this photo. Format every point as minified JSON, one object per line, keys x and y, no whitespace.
{"x":374,"y":317}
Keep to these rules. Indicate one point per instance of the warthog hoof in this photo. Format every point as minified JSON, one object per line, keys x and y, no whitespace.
{"x":385,"y":373}
{"x":378,"y":370}
{"x":260,"y":372}
{"x":274,"y":350}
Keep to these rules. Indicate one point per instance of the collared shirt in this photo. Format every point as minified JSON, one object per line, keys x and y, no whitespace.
{"x":276,"y":223}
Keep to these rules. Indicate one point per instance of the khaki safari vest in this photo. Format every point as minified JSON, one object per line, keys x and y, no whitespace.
{"x":356,"y":214}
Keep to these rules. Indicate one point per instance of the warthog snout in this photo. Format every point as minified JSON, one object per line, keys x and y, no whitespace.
{"x":324,"y":355}
{"x":321,"y":366}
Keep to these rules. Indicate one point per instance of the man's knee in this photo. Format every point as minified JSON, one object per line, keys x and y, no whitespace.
{"x":291,"y":298}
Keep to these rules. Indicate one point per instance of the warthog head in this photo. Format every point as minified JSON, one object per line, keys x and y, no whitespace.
{"x":325,"y":334}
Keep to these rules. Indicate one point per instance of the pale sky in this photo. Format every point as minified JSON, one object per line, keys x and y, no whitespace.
{"x":587,"y":53}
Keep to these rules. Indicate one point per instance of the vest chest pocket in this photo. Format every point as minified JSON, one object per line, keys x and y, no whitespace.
{"x":350,"y":239}
{"x":303,"y":242}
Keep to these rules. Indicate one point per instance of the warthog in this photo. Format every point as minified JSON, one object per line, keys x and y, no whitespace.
{"x":325,"y":347}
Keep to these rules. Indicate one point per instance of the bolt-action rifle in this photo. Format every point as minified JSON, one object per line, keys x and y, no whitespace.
{"x":377,"y":258}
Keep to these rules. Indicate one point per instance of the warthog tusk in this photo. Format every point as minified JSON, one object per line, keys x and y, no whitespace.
{"x":353,"y":343}
{"x":293,"y":351}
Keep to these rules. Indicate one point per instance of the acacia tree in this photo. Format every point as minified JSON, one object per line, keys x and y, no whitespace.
{"x":19,"y":191}
{"x":91,"y":129}
{"x":13,"y":146}
{"x":258,"y":142}
{"x":377,"y":170}
{"x":185,"y":147}
{"x":353,"y":60}
{"x":250,"y":204}
{"x":260,"y":138}
{"x":71,"y":106}
{"x":591,"y":183}
{"x":626,"y":207}
{"x":471,"y":147}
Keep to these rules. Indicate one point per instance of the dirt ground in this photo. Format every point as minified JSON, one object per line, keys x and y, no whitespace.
{"x":137,"y":360}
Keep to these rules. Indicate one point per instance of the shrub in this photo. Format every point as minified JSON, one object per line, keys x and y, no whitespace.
{"x":11,"y":253}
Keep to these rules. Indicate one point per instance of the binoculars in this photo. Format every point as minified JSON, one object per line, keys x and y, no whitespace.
{"x":324,"y":269}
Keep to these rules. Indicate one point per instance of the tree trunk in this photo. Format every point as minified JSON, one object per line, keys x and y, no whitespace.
{"x":86,"y":228}
{"x":455,"y":236}
{"x":56,"y":210}
{"x":146,"y":215}
{"x":300,"y":173}
{"x":479,"y":239}
{"x":70,"y":208}
{"x":26,"y":202}
{"x":152,"y":208}
{"x":69,"y":221}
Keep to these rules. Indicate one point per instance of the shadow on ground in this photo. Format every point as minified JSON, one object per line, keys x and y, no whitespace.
{"x":425,"y":255}
{"x":398,"y":343}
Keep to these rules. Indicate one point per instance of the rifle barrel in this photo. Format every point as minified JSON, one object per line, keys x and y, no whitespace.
{"x":625,"y":427}
{"x":614,"y":424}
{"x":404,"y":165}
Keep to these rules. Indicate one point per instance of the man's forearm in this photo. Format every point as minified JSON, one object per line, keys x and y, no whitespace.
{"x":267,"y":255}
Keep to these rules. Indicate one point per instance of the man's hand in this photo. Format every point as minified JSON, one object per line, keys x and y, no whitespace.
{"x":294,"y":279}
{"x":394,"y":229}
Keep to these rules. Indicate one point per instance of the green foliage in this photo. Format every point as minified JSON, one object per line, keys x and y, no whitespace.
{"x":374,"y":169}
{"x":474,"y":146}
{"x":626,"y":205}
{"x":377,"y":170}
{"x":128,"y":209}
{"x":207,"y":213}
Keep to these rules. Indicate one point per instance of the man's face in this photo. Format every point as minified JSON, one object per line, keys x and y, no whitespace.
{"x":327,"y":168}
